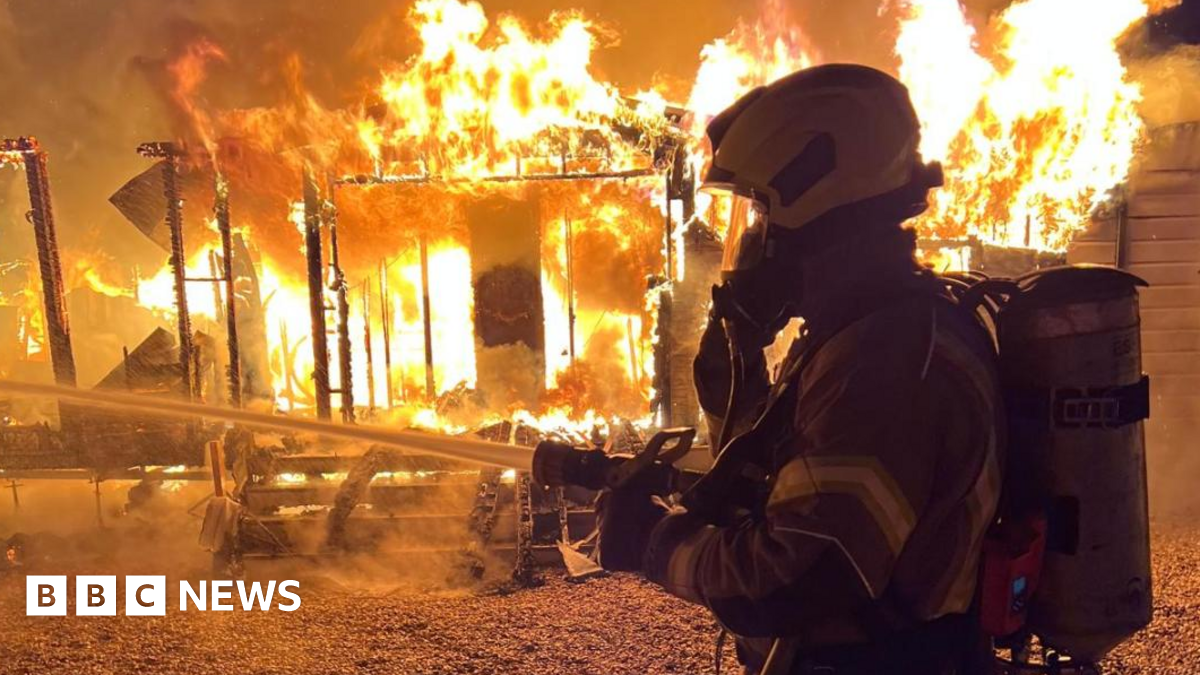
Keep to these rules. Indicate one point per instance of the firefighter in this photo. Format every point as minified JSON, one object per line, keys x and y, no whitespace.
{"x":878,"y":442}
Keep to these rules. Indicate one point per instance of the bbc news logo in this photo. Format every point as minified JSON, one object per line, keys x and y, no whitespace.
{"x":147,"y":595}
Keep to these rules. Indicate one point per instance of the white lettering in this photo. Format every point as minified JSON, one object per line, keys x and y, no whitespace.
{"x":289,"y":595}
{"x":264,"y":599}
{"x":185,"y":592}
{"x":218,"y":595}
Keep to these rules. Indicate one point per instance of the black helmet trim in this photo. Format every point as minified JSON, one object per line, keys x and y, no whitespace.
{"x":882,"y":211}
{"x":816,"y":161}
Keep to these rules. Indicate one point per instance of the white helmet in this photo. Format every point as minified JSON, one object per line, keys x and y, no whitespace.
{"x":821,"y":150}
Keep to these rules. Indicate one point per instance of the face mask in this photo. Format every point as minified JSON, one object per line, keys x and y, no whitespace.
{"x":746,"y":241}
{"x":757,"y":291}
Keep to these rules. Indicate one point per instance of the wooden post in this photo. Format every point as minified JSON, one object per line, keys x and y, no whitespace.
{"x":570,"y":288}
{"x":13,"y":485}
{"x":41,"y":214}
{"x":216,"y":462}
{"x":231,"y":333}
{"x":179,"y":273}
{"x":345,"y":362}
{"x":99,"y":504}
{"x":316,"y":295}
{"x":430,"y":391}
{"x":385,"y":315}
{"x":367,"y":344}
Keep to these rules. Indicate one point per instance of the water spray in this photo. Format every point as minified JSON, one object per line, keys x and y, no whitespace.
{"x":464,"y":449}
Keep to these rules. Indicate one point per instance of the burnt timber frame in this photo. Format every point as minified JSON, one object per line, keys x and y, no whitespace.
{"x":41,"y":215}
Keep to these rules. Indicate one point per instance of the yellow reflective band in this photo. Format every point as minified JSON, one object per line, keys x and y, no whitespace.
{"x":863,"y":478}
{"x":981,"y":505}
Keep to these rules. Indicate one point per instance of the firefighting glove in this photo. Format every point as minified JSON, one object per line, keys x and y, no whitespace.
{"x":625,"y":519}
{"x":712,"y":372}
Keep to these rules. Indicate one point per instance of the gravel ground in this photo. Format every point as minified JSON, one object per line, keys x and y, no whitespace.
{"x":1171,"y":644}
{"x":614,"y":625}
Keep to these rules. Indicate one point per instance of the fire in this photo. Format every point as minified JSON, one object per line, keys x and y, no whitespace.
{"x":450,"y":318}
{"x":469,"y":105}
{"x":157,"y":292}
{"x":187,"y":74}
{"x":750,"y":56}
{"x":1035,"y":124}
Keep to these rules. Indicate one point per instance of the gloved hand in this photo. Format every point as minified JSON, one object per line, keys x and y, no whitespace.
{"x":625,"y":518}
{"x":728,"y":306}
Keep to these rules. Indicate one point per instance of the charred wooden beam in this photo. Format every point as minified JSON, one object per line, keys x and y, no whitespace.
{"x":171,"y":153}
{"x":385,"y":317}
{"x":221,"y":209}
{"x":316,"y":294}
{"x":41,"y":214}
{"x":369,"y":350}
{"x":345,"y":359}
{"x":689,"y":304}
{"x":523,"y":572}
{"x":569,"y":237}
{"x":427,"y":321}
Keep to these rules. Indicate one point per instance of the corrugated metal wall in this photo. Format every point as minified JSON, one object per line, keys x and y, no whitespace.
{"x":1158,"y":238}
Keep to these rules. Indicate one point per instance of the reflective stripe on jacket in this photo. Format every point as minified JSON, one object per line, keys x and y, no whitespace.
{"x":880,"y":495}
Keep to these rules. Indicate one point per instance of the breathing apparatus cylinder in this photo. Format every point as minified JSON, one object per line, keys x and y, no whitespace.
{"x":1070,"y":361}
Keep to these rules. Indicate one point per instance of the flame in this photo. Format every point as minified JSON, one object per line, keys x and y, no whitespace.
{"x":1035,"y":125}
{"x":451,"y":319}
{"x":478,"y":100}
{"x":188,"y":72}
{"x":751,"y":55}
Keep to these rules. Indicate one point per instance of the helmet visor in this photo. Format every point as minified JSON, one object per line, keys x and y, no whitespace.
{"x":746,"y":240}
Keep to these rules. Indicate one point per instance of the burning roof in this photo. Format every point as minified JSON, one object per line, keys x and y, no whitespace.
{"x":1035,"y":125}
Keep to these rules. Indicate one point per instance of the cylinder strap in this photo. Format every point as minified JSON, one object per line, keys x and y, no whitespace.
{"x":1083,"y":407}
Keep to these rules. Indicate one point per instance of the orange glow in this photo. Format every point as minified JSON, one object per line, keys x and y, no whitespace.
{"x":1034,"y":124}
{"x":478,"y":99}
{"x":1033,"y":135}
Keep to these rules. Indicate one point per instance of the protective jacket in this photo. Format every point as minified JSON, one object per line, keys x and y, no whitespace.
{"x":883,"y":475}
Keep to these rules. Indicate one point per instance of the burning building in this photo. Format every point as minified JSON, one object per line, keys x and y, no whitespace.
{"x":497,"y":240}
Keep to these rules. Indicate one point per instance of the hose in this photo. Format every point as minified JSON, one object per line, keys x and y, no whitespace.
{"x":737,"y":373}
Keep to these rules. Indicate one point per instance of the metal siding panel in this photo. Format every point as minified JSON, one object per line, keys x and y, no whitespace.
{"x":1165,"y":182}
{"x":1164,"y":251}
{"x":1175,"y":407}
{"x":1152,"y":229}
{"x":1170,"y":297}
{"x":1176,"y":274}
{"x":1181,"y":363}
{"x":1171,"y":319}
{"x":1175,"y":385}
{"x":1164,"y":206}
{"x":1169,"y":341}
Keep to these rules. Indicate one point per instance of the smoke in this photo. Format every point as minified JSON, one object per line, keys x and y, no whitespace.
{"x":122,"y":525}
